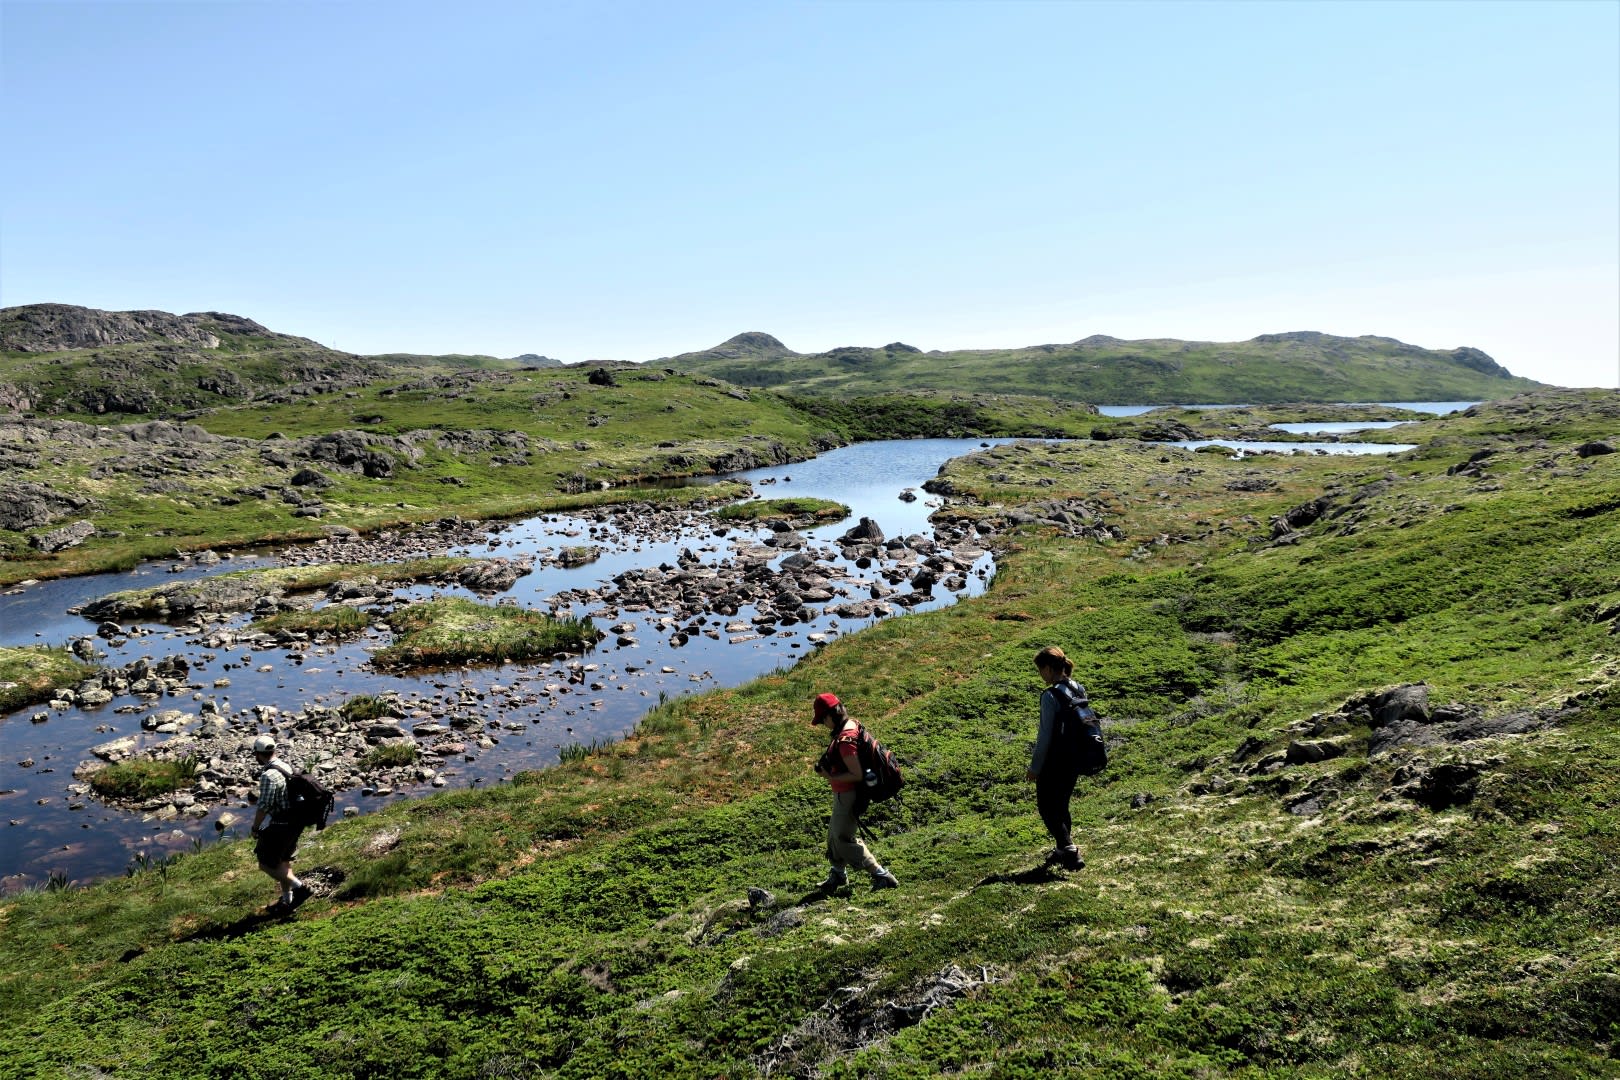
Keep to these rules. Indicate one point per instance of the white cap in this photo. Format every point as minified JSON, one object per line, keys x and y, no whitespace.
{"x":264,"y":744}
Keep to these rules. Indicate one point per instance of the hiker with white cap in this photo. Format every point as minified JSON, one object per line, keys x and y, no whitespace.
{"x":277,"y":837}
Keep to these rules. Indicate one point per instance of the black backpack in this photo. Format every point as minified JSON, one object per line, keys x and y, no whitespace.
{"x":883,"y":777}
{"x":309,"y":802}
{"x":1077,"y":738}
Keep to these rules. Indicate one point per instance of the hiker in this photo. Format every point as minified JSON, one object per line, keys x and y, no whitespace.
{"x":1057,"y":761}
{"x":840,"y":766}
{"x":277,"y":839}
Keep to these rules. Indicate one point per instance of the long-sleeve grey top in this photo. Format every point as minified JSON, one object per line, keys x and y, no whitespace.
{"x":1050,"y":704}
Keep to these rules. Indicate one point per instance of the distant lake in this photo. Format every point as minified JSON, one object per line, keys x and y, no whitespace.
{"x":1339,"y":428}
{"x":1438,"y":408}
{"x":1255,"y":446}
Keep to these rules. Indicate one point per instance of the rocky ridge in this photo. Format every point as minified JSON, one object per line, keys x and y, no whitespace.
{"x":35,"y":328}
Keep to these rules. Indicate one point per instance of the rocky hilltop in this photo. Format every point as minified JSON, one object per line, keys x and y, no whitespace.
{"x":751,"y":344}
{"x":61,"y":359}
{"x":39,"y":328}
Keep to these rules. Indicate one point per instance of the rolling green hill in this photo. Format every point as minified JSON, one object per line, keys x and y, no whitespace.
{"x":1361,"y":820}
{"x":1304,"y":367}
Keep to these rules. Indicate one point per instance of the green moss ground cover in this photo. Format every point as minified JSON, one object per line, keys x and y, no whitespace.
{"x":454,"y":630}
{"x":592,"y":920}
{"x":29,"y":673}
{"x":140,"y":779}
{"x":820,"y":511}
{"x":390,"y":755}
{"x":159,"y":600}
{"x":334,"y":620}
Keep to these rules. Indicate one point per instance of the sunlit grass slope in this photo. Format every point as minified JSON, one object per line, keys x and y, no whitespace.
{"x":1325,"y":919}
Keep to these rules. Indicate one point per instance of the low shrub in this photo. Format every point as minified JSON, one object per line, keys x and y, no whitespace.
{"x":142,"y":778}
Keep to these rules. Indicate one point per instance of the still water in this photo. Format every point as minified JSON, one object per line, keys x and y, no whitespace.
{"x":1437,"y":408}
{"x":1240,"y":447}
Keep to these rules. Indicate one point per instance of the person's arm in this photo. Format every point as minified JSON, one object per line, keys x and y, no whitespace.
{"x":1043,"y":738}
{"x":269,"y":802}
{"x":259,"y":807}
{"x":852,"y":766}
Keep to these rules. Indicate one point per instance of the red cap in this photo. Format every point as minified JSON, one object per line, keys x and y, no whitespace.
{"x":825,"y":703}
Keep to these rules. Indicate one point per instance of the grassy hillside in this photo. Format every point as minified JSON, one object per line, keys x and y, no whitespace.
{"x":475,"y":443}
{"x":80,"y":363}
{"x":1107,"y":371}
{"x":1412,"y":898}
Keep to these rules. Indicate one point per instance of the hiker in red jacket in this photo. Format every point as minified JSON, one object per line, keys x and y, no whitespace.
{"x":840,"y":766}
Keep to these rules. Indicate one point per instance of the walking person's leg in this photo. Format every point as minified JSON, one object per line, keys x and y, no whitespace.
{"x":844,"y":845}
{"x":1053,"y":790}
{"x":276,"y":848}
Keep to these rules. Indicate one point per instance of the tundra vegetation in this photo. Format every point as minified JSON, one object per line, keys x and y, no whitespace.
{"x":333,"y":620}
{"x":29,"y":673}
{"x":453,"y":630}
{"x":1271,"y":368}
{"x":390,"y":754}
{"x":365,"y":707}
{"x":142,"y":778}
{"x":1360,"y":819}
{"x":478,"y":444}
{"x":811,"y":511}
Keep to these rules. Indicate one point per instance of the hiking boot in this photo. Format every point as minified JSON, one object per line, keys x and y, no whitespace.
{"x":278,"y":909}
{"x":1066,"y":857}
{"x":835,"y":879}
{"x":882,"y":879}
{"x":300,"y":893}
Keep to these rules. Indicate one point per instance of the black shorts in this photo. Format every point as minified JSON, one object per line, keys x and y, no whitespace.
{"x":278,"y":843}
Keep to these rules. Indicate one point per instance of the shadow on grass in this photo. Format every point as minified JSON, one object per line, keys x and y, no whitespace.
{"x":323,"y":882}
{"x":1035,"y":875}
{"x":229,"y":931}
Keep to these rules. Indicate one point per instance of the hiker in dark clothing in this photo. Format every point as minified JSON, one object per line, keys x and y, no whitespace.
{"x":840,"y":766}
{"x":1056,"y":762}
{"x":277,"y":838}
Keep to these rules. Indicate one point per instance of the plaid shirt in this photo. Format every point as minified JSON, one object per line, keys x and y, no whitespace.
{"x":273,"y":789}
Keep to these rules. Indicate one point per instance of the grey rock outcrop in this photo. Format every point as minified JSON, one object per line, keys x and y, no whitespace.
{"x":52,"y":327}
{"x":61,"y":539}
{"x":25,"y":505}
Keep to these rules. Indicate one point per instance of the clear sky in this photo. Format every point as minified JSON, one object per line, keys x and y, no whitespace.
{"x":630,"y":181}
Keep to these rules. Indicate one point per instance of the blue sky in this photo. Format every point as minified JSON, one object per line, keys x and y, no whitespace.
{"x":630,"y":181}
